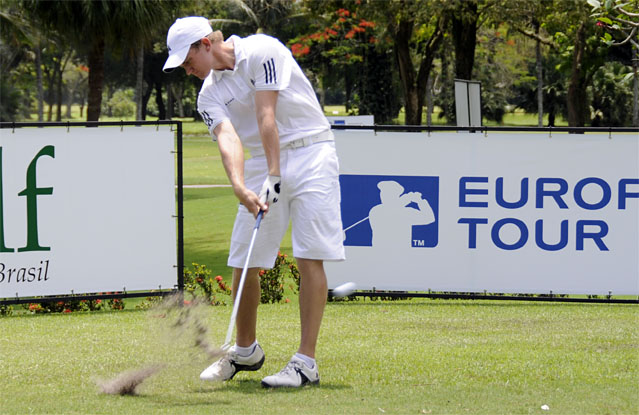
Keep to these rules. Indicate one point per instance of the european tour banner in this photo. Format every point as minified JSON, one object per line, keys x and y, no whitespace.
{"x":502,"y":213}
{"x":86,"y":210}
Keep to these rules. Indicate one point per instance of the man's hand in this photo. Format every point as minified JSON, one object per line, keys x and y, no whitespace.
{"x":270,"y":192}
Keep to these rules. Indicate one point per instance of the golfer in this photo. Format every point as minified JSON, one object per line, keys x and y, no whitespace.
{"x":256,"y":97}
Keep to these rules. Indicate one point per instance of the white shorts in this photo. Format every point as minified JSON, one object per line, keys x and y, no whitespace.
{"x":309,"y":199}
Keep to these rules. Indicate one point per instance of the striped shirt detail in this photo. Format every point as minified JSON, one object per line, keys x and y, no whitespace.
{"x":269,"y":72}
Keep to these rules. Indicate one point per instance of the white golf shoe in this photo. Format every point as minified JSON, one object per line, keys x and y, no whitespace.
{"x":231,"y":363}
{"x":294,"y":375}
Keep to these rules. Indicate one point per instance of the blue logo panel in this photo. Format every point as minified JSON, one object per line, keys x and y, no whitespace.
{"x":390,"y":211}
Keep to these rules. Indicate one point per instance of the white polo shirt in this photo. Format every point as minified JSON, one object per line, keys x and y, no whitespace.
{"x":262,"y":63}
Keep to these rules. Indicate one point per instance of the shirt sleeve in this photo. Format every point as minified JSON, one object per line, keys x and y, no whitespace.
{"x":270,"y":64}
{"x":211,"y":111}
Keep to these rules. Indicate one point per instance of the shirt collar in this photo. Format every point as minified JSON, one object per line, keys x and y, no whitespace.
{"x":239,"y":56}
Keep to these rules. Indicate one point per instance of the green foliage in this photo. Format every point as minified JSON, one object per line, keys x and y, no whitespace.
{"x":69,"y":306}
{"x":121,"y":104}
{"x":611,"y":96}
{"x":272,"y":280}
{"x":199,"y":283}
{"x":5,"y":310}
{"x":10,"y":102}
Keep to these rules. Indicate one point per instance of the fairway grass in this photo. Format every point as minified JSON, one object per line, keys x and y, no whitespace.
{"x":401,"y":357}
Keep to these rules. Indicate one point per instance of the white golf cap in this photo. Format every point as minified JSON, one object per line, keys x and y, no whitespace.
{"x":182,"y":34}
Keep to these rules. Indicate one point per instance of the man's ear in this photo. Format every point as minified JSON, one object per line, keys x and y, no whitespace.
{"x":207,"y":43}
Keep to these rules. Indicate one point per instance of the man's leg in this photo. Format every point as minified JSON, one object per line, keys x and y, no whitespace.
{"x":301,"y":369}
{"x":313,"y":293}
{"x":239,"y":359}
{"x":246,"y":321}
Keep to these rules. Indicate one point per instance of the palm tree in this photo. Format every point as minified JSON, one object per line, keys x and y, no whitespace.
{"x":90,"y":25}
{"x":272,"y":17}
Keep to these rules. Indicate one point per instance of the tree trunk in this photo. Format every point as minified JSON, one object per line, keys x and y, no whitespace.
{"x":429,"y":100}
{"x":96,"y":79}
{"x":407,"y":73}
{"x":169,"y":102}
{"x":58,"y":95}
{"x":577,"y":95}
{"x":414,"y":83}
{"x":159,"y":101}
{"x":540,"y":79}
{"x":70,"y":92}
{"x":635,"y":87}
{"x":179,"y":95}
{"x":145,"y":99}
{"x":348,"y":89}
{"x":139,"y":84}
{"x":465,"y":19}
{"x":39,"y":78}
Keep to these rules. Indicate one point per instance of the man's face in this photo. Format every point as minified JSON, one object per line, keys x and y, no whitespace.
{"x":197,"y":62}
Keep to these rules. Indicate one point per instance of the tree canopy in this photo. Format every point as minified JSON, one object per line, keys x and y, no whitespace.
{"x":566,"y":58}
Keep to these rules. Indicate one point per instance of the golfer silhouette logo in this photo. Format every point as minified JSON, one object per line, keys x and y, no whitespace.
{"x":393,"y":219}
{"x":390,"y":212}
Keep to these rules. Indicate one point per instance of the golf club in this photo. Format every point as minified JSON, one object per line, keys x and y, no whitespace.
{"x":352,"y":226}
{"x":240,"y":288}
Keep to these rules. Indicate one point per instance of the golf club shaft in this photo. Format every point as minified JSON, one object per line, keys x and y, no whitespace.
{"x":240,"y":287}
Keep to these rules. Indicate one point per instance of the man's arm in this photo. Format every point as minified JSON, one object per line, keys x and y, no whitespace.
{"x":265,"y":104}
{"x":232,"y":154}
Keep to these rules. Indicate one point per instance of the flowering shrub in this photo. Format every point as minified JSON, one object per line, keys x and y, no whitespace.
{"x":272,"y":280}
{"x":198,"y":282}
{"x":116,"y":304}
{"x":69,"y":306}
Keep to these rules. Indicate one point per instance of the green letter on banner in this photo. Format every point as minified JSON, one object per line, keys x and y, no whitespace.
{"x":31,"y":192}
{"x":3,"y":247}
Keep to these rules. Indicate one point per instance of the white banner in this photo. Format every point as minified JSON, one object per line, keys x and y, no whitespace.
{"x":86,"y":210}
{"x":507,"y":213}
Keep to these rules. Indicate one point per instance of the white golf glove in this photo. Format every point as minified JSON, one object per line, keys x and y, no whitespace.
{"x":270,"y":192}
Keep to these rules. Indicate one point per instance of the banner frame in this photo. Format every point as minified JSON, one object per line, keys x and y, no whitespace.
{"x":179,"y":287}
{"x":549,"y":297}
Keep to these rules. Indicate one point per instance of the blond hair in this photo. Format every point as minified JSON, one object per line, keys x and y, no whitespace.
{"x":216,"y":36}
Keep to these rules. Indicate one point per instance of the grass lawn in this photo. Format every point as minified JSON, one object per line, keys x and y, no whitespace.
{"x":414,"y":356}
{"x":402,"y":357}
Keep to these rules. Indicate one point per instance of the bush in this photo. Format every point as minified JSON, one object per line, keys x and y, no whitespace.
{"x":272,"y":280}
{"x":70,"y":306}
{"x":6,"y":310}
{"x":122,"y":103}
{"x":198,"y":282}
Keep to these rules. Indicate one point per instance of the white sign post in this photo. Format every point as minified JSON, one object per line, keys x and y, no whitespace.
{"x":86,"y":210}
{"x":506,"y":213}
{"x":468,"y":103}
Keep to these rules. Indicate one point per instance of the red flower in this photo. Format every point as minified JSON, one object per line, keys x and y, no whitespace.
{"x":66,"y":310}
{"x":350,"y":34}
{"x":287,"y":301}
{"x":218,"y":278}
{"x":365,"y":23}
